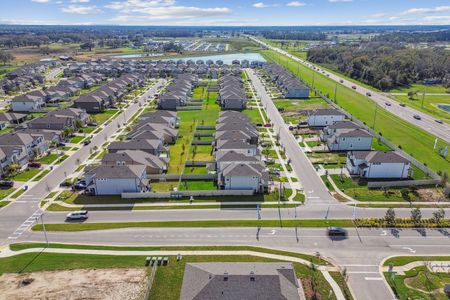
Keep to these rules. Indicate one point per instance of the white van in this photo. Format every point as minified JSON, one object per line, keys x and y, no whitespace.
{"x":77,"y":215}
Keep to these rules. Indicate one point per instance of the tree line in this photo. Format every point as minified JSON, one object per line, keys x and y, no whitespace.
{"x":385,"y":65}
{"x":414,"y":37}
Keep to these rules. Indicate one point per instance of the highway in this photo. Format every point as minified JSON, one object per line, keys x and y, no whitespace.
{"x":16,"y":217}
{"x":360,"y":253}
{"x":427,"y":122}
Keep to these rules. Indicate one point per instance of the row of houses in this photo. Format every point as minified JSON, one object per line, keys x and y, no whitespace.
{"x":145,"y":151}
{"x":288,"y":83}
{"x":178,"y":92}
{"x":232,"y":92}
{"x":340,"y":134}
{"x":27,"y":76}
{"x":107,"y":95}
{"x":237,"y":157}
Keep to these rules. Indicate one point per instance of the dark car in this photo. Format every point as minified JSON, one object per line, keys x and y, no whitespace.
{"x":61,"y":145}
{"x":280,"y":109}
{"x":80,"y":185}
{"x":268,"y":125}
{"x":354,"y":87}
{"x":341,"y":81}
{"x":65,"y":184}
{"x":34,"y":164}
{"x":368,"y":94}
{"x":87,"y":142}
{"x":417,"y":117}
{"x":92,"y":123}
{"x":6,"y":184}
{"x":402,"y":104}
{"x":387,"y":104}
{"x":439,"y":121}
{"x":336,"y":231}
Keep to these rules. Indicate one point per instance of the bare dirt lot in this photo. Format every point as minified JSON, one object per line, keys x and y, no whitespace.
{"x":111,"y":284}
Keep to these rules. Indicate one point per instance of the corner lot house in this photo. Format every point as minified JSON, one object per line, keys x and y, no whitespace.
{"x":114,"y":180}
{"x":378,"y":164}
{"x":324,"y":117}
{"x":262,"y":281}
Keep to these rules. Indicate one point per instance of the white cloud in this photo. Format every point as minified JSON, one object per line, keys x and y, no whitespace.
{"x":426,"y":10}
{"x":81,"y":10}
{"x":295,"y":4}
{"x":79,"y":1}
{"x":137,"y":5}
{"x":335,"y":1}
{"x":260,"y":5}
{"x":40,"y":1}
{"x":444,"y":20}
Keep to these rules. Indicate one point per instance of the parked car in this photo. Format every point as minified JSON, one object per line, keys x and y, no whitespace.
{"x":61,"y":145}
{"x":439,"y":121}
{"x":417,"y":117}
{"x":80,"y":185}
{"x":87,"y":142}
{"x":280,"y":109}
{"x":292,"y":127}
{"x":92,"y":123}
{"x":259,"y":125}
{"x":336,"y":231}
{"x":6,"y":184}
{"x":387,"y":104}
{"x":354,"y":87}
{"x":275,"y":172}
{"x":268,"y":125}
{"x":402,"y":104}
{"x":34,"y":164}
{"x":302,"y":123}
{"x":77,"y":215}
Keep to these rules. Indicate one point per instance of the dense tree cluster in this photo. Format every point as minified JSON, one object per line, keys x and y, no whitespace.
{"x":385,"y":65}
{"x":415,"y":37}
{"x":294,"y":35}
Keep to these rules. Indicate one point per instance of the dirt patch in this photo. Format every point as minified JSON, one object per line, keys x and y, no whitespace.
{"x":431,"y":195}
{"x":308,"y":288}
{"x":111,"y":284}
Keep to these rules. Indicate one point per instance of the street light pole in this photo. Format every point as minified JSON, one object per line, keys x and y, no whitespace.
{"x":43,"y":227}
{"x":423,"y":95}
{"x":375,"y":116}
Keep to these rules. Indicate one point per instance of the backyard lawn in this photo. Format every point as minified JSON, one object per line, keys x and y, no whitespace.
{"x":411,"y":139}
{"x":200,"y":185}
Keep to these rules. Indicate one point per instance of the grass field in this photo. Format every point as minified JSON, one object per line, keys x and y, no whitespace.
{"x":411,"y":139}
{"x":101,"y":118}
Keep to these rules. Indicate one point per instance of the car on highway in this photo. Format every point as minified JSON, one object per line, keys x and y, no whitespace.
{"x":336,"y":231}
{"x":6,"y":184}
{"x":77,"y":215}
{"x":341,"y":81}
{"x":402,"y":104}
{"x":387,"y":103}
{"x":417,"y":117}
{"x":354,"y":87}
{"x":439,"y":121}
{"x":368,"y":94}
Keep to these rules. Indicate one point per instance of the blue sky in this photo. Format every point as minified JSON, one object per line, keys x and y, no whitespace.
{"x":226,"y":12}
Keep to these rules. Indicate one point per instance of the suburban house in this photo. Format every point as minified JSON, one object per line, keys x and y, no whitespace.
{"x":8,"y":119}
{"x":155,"y":147}
{"x":289,"y":84}
{"x":226,"y":157}
{"x":53,"y":122}
{"x":232,"y":93}
{"x":346,"y":136}
{"x":238,"y":146}
{"x":74,"y":113}
{"x":242,"y":280}
{"x":178,"y":92}
{"x":163,"y":117}
{"x":34,"y":145}
{"x":378,"y":164}
{"x":48,"y":134}
{"x":169,"y":134}
{"x":27,"y":103}
{"x":243,"y":176}
{"x":116,"y":179}
{"x":152,"y":163}
{"x":12,"y":155}
{"x":324,"y":117}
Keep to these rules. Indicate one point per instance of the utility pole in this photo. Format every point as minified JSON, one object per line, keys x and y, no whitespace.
{"x":43,"y":227}
{"x":423,"y":95}
{"x":375,"y":116}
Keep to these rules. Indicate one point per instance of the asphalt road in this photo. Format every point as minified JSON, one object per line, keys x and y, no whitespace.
{"x":18,"y":215}
{"x":315,"y":190}
{"x":360,"y":253}
{"x":427,"y":122}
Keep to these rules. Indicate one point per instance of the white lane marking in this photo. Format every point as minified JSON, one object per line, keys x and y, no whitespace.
{"x":409,"y":249}
{"x":373,"y":278}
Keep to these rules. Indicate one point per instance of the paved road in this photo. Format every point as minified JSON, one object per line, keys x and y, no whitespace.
{"x":427,"y":122}
{"x":361,"y":253}
{"x":315,"y":190}
{"x":336,"y":211}
{"x":17,"y":216}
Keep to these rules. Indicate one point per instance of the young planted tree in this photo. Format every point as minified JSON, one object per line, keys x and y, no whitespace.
{"x":438,"y":216}
{"x":416,"y":216}
{"x":390,"y":217}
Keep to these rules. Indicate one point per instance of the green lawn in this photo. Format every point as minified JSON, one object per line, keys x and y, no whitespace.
{"x":254,"y":115}
{"x":420,"y":88}
{"x":26,"y":174}
{"x":413,"y":140}
{"x":4,"y":203}
{"x":404,"y":260}
{"x":88,"y":129}
{"x":204,"y":224}
{"x":76,"y":139}
{"x":18,"y":193}
{"x":6,"y":192}
{"x":418,"y":283}
{"x":40,"y":176}
{"x":48,"y":159}
{"x":101,"y":118}
{"x":197,"y":185}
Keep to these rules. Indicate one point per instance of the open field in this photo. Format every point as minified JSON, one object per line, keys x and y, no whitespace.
{"x":411,"y":139}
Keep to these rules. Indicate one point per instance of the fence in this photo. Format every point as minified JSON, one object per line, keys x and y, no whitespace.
{"x":203,"y":134}
{"x":183,"y":177}
{"x":401,"y":183}
{"x":201,"y":142}
{"x":417,"y":163}
{"x":188,"y":108}
{"x":198,"y":163}
{"x":180,"y":194}
{"x":203,"y":127}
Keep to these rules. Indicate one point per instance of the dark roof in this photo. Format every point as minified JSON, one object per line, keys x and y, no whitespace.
{"x":380,"y":156}
{"x":116,"y":172}
{"x":262,"y":281}
{"x":327,"y":112}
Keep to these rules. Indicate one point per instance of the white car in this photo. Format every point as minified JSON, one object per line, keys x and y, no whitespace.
{"x":77,"y":215}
